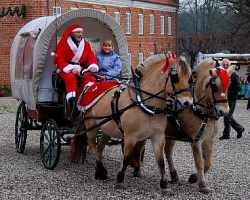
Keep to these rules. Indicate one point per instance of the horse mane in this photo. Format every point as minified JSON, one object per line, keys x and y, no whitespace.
{"x":154,"y":59}
{"x":203,"y":70}
{"x":206,"y":64}
{"x":185,"y":67}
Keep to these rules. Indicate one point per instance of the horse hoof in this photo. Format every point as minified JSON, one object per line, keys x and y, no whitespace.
{"x":101,"y":173}
{"x":75,"y":161}
{"x":137,"y":173}
{"x":163,"y":184}
{"x":119,"y":186}
{"x":192,"y":178}
{"x":101,"y":176}
{"x":204,"y":190}
{"x":174,"y":177}
{"x":120,"y":177}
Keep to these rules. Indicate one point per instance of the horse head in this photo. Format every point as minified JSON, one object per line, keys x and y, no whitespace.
{"x":178,"y":75}
{"x":211,"y":88}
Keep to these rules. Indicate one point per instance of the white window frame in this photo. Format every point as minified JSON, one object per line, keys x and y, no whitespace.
{"x":117,"y":17}
{"x":129,"y":59}
{"x":151,"y":24}
{"x":128,"y":23}
{"x":140,"y":24}
{"x":74,"y":8}
{"x":57,"y":10}
{"x":162,"y":23}
{"x":169,"y":25}
{"x":140,"y":58}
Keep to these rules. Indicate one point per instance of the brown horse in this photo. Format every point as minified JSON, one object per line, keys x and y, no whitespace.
{"x":134,"y":125}
{"x":210,"y":103}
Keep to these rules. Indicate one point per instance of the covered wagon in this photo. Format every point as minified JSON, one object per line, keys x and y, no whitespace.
{"x":32,"y":68}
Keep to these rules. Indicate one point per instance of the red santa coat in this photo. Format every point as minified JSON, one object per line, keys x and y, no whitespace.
{"x":69,"y":57}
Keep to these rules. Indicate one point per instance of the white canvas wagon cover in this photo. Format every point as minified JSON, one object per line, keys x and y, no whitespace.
{"x":31,"y":63}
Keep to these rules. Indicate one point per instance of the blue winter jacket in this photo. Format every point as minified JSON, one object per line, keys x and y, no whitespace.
{"x":109,"y":64}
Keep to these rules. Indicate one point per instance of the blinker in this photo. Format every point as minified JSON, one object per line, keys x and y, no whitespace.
{"x":174,"y":75}
{"x":213,"y":84}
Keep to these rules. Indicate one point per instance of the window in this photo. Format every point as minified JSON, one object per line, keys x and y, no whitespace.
{"x":151,"y":24}
{"x":117,"y":17}
{"x":162,"y":19}
{"x":129,"y":59}
{"x":74,"y":8}
{"x":57,"y":11}
{"x":128,"y":26}
{"x":169,"y":25}
{"x":140,"y":23}
{"x":140,"y":57}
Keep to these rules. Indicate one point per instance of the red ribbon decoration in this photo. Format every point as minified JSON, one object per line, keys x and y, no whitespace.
{"x":224,"y":77}
{"x":169,"y":58}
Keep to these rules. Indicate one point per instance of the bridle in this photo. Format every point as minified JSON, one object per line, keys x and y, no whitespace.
{"x":173,"y":104}
{"x":206,"y":110}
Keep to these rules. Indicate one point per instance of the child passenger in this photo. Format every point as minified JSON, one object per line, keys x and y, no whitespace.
{"x":109,"y":62}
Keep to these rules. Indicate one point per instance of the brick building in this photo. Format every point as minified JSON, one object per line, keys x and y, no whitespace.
{"x":149,"y":25}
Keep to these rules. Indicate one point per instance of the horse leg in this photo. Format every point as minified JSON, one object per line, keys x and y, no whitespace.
{"x":207,"y":146}
{"x":199,"y":163}
{"x":169,"y":147}
{"x":207,"y":155}
{"x":137,"y":158}
{"x":129,"y":144}
{"x":100,"y":171}
{"x":78,"y":142}
{"x":158,"y":142}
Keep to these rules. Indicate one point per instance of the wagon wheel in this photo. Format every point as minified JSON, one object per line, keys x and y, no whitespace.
{"x":50,"y":146}
{"x":21,"y":128}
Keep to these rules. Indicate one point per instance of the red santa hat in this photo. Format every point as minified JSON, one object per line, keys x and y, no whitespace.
{"x":68,"y":31}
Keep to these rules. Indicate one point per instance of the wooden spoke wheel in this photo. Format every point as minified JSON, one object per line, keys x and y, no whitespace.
{"x":50,"y":145}
{"x":21,"y":128}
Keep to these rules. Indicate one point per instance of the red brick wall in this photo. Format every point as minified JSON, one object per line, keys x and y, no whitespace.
{"x":9,"y":26}
{"x":137,"y":43}
{"x":146,"y":43}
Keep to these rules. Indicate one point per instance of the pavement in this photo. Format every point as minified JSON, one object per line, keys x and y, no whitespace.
{"x":22,"y":176}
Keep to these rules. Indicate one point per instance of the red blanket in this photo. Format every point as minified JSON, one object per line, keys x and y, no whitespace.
{"x":92,"y":92}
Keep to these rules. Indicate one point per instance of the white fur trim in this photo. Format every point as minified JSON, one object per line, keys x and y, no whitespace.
{"x":93,"y":68}
{"x":70,"y":95}
{"x":71,"y":44}
{"x":68,"y":68}
{"x":77,"y":30}
{"x":78,"y":68}
{"x":78,"y":51}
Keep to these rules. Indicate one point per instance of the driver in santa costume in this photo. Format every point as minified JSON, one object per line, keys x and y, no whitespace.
{"x":73,"y":54}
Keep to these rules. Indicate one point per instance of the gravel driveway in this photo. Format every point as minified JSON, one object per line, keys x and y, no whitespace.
{"x":22,"y":176}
